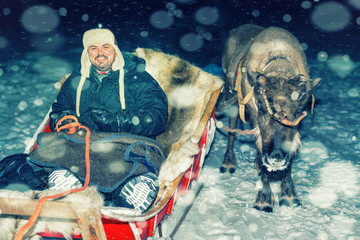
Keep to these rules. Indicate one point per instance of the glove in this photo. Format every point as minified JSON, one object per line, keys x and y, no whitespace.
{"x":105,"y":120}
{"x":123,"y":121}
{"x":129,"y":122}
{"x":55,"y":117}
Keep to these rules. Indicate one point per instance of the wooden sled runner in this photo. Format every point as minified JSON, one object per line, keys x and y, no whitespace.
{"x":189,"y":125}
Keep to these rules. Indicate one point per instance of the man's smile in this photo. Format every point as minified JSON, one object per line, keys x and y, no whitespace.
{"x":101,"y":58}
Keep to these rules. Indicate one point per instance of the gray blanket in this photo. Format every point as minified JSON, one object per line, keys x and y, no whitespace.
{"x":114,"y":157}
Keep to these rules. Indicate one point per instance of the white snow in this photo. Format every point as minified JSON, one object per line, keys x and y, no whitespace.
{"x":306,"y":4}
{"x":3,"y":42}
{"x":207,"y":15}
{"x":342,"y":65}
{"x":326,"y":171}
{"x":184,"y":96}
{"x":331,"y":16}
{"x":40,"y":19}
{"x":191,"y":42}
{"x":161,"y":19}
{"x":322,"y":56}
{"x":355,"y":3}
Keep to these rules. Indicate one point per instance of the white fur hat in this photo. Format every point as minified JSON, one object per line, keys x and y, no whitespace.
{"x":100,"y":35}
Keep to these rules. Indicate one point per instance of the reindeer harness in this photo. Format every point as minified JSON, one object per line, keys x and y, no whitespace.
{"x":242,"y":101}
{"x":279,"y":117}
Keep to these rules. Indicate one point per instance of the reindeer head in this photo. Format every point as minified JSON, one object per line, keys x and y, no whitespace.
{"x":281,"y":99}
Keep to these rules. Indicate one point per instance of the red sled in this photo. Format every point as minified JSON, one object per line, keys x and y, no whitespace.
{"x":117,"y":223}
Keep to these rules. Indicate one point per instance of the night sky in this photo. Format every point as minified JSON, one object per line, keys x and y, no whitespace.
{"x":50,"y":26}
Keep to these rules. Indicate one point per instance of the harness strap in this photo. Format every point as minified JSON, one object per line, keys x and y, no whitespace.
{"x":152,"y":167}
{"x":312,"y":103}
{"x":281,"y":116}
{"x":242,"y":100}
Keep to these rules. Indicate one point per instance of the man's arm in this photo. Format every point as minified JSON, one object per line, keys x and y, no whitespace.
{"x":64,"y":104}
{"x":148,"y":120}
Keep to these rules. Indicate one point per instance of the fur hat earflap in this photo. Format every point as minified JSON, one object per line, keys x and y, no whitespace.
{"x":100,"y":35}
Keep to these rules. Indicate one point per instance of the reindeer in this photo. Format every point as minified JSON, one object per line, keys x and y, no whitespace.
{"x":268,"y":70}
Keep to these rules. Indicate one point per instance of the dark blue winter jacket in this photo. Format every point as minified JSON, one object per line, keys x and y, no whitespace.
{"x":144,"y":98}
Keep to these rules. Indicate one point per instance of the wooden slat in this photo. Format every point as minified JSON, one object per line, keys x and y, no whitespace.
{"x":89,"y":221}
{"x":26,"y":207}
{"x":206,"y":115}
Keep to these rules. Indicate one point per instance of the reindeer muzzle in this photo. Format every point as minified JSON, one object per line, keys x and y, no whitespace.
{"x":281,"y":116}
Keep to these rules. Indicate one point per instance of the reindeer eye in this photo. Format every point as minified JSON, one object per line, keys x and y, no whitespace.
{"x":294,"y":96}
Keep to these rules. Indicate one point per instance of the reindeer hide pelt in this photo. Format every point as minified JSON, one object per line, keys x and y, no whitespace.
{"x":188,"y":89}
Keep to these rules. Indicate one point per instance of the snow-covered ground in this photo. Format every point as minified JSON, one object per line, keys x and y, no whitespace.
{"x":27,"y":89}
{"x":326,"y":172}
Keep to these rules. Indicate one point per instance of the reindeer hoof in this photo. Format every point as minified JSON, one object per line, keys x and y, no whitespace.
{"x":230,"y":168}
{"x":264,"y":201}
{"x":290,"y":202}
{"x":267,"y":208}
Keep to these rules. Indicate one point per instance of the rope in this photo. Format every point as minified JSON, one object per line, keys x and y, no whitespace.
{"x":312,"y":103}
{"x":72,"y":127}
{"x":219,"y":124}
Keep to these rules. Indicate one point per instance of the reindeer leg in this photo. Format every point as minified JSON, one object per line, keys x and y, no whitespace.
{"x":265,"y":198}
{"x":258,"y":163}
{"x":228,"y":164}
{"x":287,"y":193}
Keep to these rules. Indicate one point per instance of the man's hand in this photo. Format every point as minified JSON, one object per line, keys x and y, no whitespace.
{"x":105,"y":120}
{"x":55,"y":117}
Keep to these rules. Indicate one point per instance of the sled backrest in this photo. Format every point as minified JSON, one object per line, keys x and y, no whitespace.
{"x":188,"y":89}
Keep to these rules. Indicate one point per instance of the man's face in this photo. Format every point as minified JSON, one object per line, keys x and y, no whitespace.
{"x":102,"y":56}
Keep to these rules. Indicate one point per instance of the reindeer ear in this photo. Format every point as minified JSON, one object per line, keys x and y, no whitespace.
{"x":315,"y":82}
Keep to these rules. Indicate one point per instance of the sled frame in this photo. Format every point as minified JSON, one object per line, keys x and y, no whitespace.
{"x":89,"y":219}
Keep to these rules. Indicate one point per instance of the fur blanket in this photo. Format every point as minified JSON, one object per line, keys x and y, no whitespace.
{"x":188,"y":89}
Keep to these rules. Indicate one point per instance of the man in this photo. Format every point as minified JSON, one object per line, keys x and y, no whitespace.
{"x":112,"y":93}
